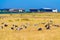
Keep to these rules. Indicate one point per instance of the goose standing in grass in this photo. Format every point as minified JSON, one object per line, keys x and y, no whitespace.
{"x":47,"y":26}
{"x":56,"y":25}
{"x":12,"y":28}
{"x":5,"y":25}
{"x":39,"y":29}
{"x":24,"y":26}
{"x":19,"y":28}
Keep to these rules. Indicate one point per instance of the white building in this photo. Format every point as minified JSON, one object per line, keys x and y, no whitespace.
{"x":54,"y":10}
{"x":21,"y":10}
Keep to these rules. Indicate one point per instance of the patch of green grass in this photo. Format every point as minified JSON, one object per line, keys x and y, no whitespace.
{"x":10,"y":20}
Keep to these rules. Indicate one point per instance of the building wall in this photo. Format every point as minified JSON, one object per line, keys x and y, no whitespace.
{"x":45,"y":10}
{"x":33,"y":10}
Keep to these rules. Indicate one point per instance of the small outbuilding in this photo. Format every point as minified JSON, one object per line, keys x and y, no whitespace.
{"x":54,"y":10}
{"x":21,"y":10}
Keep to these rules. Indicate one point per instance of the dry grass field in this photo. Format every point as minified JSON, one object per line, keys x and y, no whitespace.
{"x":30,"y":26}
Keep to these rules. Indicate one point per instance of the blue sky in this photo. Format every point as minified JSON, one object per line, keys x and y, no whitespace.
{"x":30,"y":4}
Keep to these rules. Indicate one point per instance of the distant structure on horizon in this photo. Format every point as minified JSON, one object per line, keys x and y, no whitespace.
{"x":48,"y":10}
{"x":30,"y":10}
{"x":17,"y":10}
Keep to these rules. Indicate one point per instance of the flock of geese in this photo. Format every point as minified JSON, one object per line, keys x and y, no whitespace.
{"x":47,"y":26}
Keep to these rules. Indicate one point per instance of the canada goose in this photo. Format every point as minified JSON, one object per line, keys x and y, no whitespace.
{"x":39,"y":29}
{"x":47,"y":26}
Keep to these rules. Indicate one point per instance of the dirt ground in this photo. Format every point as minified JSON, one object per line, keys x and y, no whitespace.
{"x":25,"y":26}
